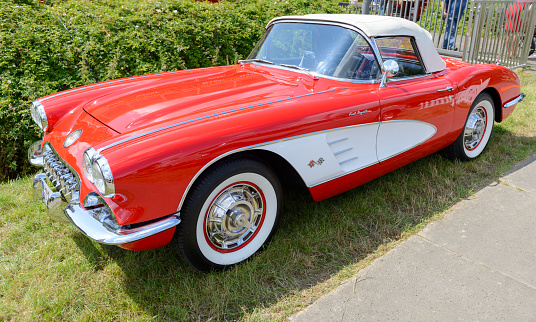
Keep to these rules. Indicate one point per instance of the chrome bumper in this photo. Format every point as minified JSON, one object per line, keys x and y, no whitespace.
{"x":35,"y":154}
{"x":515,"y":101}
{"x":95,"y":230}
{"x":84,"y":219}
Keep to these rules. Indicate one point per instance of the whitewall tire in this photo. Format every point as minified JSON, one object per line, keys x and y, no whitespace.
{"x":476,"y":131}
{"x":230,"y":213}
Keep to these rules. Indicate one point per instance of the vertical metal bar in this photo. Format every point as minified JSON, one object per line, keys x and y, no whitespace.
{"x":462,"y":38}
{"x":458,"y":15}
{"x":499,"y":12}
{"x":503,"y":37}
{"x":482,"y":32}
{"x":486,"y":33}
{"x":468,"y":35}
{"x":525,"y":46}
{"x":511,"y":24}
{"x":415,"y":10}
{"x":475,"y":41}
{"x":441,"y":19}
{"x":427,"y":17}
{"x":366,"y":5}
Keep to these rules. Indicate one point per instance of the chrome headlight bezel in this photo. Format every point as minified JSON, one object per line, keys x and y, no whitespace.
{"x":87,"y":164}
{"x":97,"y":170}
{"x":38,"y":115}
{"x":102,"y":175}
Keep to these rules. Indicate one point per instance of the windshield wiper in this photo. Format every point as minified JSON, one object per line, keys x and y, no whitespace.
{"x":308,"y":71}
{"x":257,"y":60}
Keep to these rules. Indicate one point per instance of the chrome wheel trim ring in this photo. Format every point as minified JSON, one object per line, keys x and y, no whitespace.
{"x":475,"y":128}
{"x":234,"y":217}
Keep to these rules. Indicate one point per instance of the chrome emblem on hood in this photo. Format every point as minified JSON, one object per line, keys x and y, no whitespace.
{"x":72,"y":138}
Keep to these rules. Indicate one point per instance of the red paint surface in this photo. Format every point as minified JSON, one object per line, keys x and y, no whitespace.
{"x":155,"y":241}
{"x":223,"y":109}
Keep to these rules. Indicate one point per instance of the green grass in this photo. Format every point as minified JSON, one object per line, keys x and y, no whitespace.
{"x":50,"y":271}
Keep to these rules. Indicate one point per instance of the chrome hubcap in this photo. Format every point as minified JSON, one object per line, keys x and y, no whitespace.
{"x":234,"y":216}
{"x":475,"y":128}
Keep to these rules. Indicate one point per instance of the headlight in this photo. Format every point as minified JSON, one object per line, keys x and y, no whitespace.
{"x":102,"y":176}
{"x":98,"y":172}
{"x":38,"y":115}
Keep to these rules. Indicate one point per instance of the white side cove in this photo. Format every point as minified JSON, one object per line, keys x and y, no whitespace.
{"x":396,"y":137}
{"x":328,"y":155}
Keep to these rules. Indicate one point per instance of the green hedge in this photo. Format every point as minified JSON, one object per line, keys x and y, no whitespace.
{"x":117,"y":38}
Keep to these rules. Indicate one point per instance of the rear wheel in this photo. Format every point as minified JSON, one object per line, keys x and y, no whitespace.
{"x":230,"y":213}
{"x":476,"y":132}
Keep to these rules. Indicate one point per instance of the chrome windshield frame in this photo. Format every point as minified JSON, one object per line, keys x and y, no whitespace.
{"x":369,"y":41}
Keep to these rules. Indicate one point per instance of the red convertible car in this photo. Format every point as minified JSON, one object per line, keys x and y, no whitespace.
{"x":197,"y":157}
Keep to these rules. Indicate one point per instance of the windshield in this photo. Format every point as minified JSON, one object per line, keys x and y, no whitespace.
{"x":322,"y":49}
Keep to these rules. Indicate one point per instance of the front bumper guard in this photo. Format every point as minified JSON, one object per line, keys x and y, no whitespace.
{"x":84,"y":219}
{"x":516,"y":100}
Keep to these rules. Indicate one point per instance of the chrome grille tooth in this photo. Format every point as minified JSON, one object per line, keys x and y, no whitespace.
{"x":71,"y":184}
{"x":62,"y":177}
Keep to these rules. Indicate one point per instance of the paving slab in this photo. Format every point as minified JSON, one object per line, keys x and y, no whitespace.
{"x":422,"y":281}
{"x":523,"y":176}
{"x":477,"y":263}
{"x":496,"y":228}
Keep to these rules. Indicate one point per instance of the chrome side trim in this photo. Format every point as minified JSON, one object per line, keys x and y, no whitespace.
{"x":346,"y":161}
{"x":337,"y":141}
{"x":95,"y":230}
{"x":209,"y":116}
{"x":255,"y":146}
{"x":344,"y":174}
{"x":516,"y":100}
{"x":342,"y":151}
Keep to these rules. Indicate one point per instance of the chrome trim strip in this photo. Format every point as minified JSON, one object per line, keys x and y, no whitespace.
{"x":337,"y":141}
{"x":251,"y":147}
{"x":342,"y":151}
{"x":516,"y":100}
{"x":379,"y":161}
{"x":96,"y":231}
{"x":344,"y":174}
{"x":346,"y":161}
{"x":209,"y":116}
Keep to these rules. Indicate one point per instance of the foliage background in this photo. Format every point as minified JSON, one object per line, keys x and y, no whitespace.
{"x":117,"y":38}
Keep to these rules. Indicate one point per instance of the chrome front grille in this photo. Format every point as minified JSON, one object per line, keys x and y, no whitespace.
{"x":60,"y":174}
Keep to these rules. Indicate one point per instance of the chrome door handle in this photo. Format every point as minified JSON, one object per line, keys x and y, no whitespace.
{"x":446,"y":89}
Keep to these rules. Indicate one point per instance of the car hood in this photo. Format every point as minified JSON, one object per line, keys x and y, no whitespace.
{"x":160,"y":100}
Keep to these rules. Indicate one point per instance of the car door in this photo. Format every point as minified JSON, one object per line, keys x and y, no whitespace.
{"x":416,"y":108}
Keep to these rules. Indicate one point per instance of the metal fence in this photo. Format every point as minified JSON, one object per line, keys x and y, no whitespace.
{"x":477,"y":31}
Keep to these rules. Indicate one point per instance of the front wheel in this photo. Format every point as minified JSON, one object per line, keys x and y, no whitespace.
{"x":229,"y":214}
{"x":476,"y":131}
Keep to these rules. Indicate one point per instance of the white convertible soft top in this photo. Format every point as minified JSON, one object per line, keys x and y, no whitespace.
{"x":378,"y":26}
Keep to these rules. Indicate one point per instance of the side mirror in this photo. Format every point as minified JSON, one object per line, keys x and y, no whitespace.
{"x":389,"y":69}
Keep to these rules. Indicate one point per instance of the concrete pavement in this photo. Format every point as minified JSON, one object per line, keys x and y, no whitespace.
{"x":476,"y":263}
